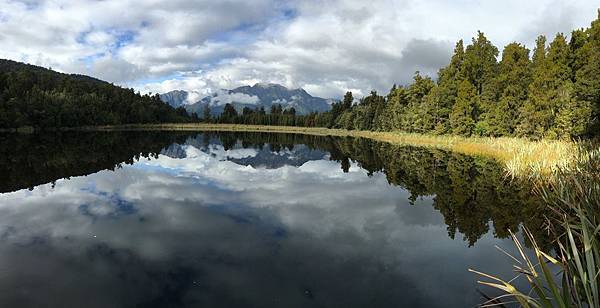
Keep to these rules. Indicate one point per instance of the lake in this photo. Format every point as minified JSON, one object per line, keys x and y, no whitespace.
{"x":193,"y":219}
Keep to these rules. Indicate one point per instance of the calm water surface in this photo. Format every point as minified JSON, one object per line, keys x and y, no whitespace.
{"x":248,"y":220}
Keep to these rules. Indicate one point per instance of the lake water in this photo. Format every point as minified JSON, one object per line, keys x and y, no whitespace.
{"x":149,"y":219}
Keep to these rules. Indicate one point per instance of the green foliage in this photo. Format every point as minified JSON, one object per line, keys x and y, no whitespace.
{"x":206,"y":114}
{"x":443,"y":97}
{"x":556,"y":94}
{"x":38,"y":97}
{"x":587,"y":82}
{"x":480,"y":66}
{"x":513,"y":80}
{"x":568,"y":275}
{"x":229,"y":114}
{"x":462,"y":119}
{"x":573,"y":115}
{"x":548,"y":90}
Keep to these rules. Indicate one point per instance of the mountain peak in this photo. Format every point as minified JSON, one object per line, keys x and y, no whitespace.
{"x":266,"y":85}
{"x":176,"y":98}
{"x":256,"y":96}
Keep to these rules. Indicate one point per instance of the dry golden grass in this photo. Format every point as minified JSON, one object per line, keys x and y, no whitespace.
{"x":521,"y":157}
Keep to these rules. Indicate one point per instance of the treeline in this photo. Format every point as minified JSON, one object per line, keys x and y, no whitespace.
{"x":553,"y":92}
{"x":39,"y":97}
{"x":277,"y":115}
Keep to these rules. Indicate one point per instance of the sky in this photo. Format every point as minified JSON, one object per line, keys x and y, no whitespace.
{"x":325,"y":47}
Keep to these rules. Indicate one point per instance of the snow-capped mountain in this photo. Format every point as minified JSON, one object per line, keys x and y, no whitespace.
{"x":260,"y":95}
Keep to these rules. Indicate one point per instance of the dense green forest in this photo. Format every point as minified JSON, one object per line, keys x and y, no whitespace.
{"x":552,"y":93}
{"x":39,"y":97}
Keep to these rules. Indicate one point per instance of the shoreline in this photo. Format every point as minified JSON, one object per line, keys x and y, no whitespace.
{"x":521,"y":158}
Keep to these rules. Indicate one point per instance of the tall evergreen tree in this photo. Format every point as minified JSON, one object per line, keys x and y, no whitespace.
{"x":229,"y":113}
{"x":587,"y":80}
{"x":461,"y":118}
{"x":414,"y":119}
{"x":397,"y":101}
{"x":514,"y":77}
{"x":573,"y":116}
{"x":444,"y":96}
{"x":348,"y":100}
{"x":579,"y":53}
{"x":528,"y":113}
{"x":550,"y":83}
{"x":480,"y":65}
{"x":206,"y":113}
{"x":480,"y":68}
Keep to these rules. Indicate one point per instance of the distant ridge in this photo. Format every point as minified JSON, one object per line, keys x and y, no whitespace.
{"x":256,"y":96}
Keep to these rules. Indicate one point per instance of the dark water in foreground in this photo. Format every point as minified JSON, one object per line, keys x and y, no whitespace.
{"x":248,"y":220}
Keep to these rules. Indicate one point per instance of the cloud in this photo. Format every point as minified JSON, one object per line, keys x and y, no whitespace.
{"x":158,"y":37}
{"x":326,"y":47}
{"x":426,"y":56}
{"x":115,"y":69}
{"x":560,"y":16}
{"x":224,"y":97}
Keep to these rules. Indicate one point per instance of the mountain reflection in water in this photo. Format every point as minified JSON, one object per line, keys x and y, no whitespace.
{"x":248,"y":219}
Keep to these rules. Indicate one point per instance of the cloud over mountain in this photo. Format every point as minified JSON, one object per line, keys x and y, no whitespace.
{"x":259,"y":95}
{"x":324,"y":47}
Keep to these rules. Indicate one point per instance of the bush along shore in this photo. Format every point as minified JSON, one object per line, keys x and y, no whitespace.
{"x":521,"y":157}
{"x":568,"y":276}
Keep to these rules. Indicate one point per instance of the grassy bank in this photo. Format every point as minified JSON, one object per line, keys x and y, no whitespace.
{"x":568,"y":276}
{"x":521,"y":157}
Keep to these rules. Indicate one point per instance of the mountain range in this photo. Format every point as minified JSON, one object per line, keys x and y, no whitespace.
{"x":256,"y":96}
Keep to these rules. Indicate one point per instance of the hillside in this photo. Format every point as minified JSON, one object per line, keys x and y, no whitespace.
{"x":42,"y":98}
{"x":256,"y":96}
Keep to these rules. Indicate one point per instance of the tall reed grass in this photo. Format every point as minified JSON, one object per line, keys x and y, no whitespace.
{"x":522,"y":158}
{"x":574,"y":196}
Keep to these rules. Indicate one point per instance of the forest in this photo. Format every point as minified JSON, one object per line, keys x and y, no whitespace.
{"x":552,"y":92}
{"x":42,"y":98}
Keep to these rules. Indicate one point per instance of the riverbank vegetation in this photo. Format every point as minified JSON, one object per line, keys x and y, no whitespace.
{"x":550,"y":93}
{"x":570,"y":275}
{"x":521,"y":157}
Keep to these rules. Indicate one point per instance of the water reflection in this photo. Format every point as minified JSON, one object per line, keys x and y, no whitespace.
{"x":253,"y":220}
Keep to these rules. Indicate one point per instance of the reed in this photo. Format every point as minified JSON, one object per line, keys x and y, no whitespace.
{"x":522,"y":158}
{"x":574,"y":197}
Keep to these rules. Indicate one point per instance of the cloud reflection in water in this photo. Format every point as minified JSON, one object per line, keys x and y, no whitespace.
{"x":203,"y":229}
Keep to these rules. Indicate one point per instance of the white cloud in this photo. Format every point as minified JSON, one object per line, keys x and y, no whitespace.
{"x":223,"y":97}
{"x":325,"y":47}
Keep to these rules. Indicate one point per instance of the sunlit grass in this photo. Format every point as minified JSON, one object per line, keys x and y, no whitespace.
{"x":522,"y":158}
{"x":573,"y":195}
